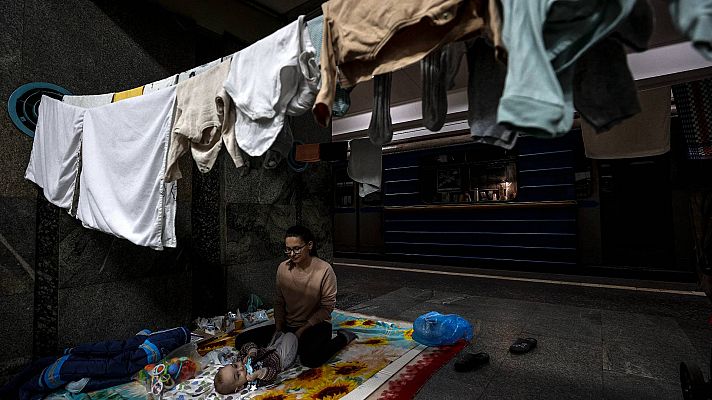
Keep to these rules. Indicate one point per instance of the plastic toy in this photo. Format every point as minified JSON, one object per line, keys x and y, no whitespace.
{"x":165,"y":375}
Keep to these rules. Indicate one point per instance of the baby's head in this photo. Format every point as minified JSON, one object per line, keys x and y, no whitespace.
{"x":230,"y":378}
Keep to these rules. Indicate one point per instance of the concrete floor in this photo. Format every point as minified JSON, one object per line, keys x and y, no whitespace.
{"x":594,"y":343}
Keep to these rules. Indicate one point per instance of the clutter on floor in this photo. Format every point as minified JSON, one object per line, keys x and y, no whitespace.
{"x":383,"y":362}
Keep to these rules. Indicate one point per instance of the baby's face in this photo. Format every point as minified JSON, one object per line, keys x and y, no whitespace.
{"x":232,"y":378}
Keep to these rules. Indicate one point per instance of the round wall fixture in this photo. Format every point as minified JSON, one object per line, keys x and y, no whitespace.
{"x":23,"y":105}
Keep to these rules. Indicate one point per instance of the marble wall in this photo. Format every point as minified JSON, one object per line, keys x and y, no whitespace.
{"x":101,"y":287}
{"x":260,"y":206}
{"x":94,"y":286}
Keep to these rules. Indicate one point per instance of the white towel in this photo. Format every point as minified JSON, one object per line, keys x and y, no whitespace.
{"x":54,"y":161}
{"x":88,"y":101}
{"x":183,"y":76}
{"x":161,"y":84}
{"x":122,"y":191}
{"x":365,"y":165}
{"x":269,"y":79}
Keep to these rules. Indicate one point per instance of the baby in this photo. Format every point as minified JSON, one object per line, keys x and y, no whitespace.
{"x":267,"y":363}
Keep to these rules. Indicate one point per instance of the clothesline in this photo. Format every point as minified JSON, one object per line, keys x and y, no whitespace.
{"x":111,"y":159}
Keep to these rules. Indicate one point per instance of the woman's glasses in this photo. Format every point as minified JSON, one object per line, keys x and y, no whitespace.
{"x":295,"y":250}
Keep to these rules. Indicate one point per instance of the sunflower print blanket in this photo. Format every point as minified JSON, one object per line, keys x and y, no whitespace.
{"x":379,"y":344}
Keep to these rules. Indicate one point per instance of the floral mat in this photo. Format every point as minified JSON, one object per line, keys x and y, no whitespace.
{"x":382,"y":363}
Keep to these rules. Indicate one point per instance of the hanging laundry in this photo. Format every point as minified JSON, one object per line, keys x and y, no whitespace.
{"x":269,"y":78}
{"x":121,"y":190}
{"x":484,"y":88}
{"x":88,"y":101}
{"x":646,"y":134}
{"x":315,"y":27}
{"x":604,"y":89}
{"x":342,"y":102}
{"x":127,"y":94}
{"x":54,"y":160}
{"x":694,"y":107}
{"x":203,"y":117}
{"x":192,"y":73}
{"x":437,"y":71}
{"x":694,"y":19}
{"x":373,"y":37}
{"x":161,"y":84}
{"x":543,"y":41}
{"x":281,"y":147}
{"x":365,"y":166}
{"x":380,"y":130}
{"x":434,"y":97}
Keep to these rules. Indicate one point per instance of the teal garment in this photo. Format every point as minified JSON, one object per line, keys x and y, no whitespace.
{"x":316,"y":32}
{"x":694,"y":19}
{"x":342,"y":102}
{"x":544,"y":38}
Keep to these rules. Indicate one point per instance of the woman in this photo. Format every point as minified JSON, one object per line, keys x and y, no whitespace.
{"x":305,"y":298}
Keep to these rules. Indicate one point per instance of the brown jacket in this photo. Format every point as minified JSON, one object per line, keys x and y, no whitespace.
{"x":372,"y":37}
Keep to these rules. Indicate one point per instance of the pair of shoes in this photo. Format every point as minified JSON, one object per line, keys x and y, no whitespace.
{"x":471,"y":361}
{"x":521,"y":346}
{"x":350,"y":336}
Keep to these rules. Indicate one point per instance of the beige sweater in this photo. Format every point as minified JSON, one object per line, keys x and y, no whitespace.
{"x":304,"y":296}
{"x":372,"y":37}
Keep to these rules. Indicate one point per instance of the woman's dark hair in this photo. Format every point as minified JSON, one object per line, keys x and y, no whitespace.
{"x":304,"y":234}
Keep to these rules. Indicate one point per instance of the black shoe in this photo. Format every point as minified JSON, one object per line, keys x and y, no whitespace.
{"x":347,"y":334}
{"x":471,"y":362}
{"x":521,"y":346}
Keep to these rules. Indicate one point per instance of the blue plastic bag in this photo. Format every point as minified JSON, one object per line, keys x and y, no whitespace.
{"x":435,"y":329}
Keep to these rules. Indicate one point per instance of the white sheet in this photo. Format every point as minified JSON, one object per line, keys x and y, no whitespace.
{"x":122,"y":191}
{"x":54,"y":161}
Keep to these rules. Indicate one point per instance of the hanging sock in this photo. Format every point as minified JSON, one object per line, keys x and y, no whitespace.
{"x":342,"y":101}
{"x":434,"y":102}
{"x":438,"y":71}
{"x":380,"y":130}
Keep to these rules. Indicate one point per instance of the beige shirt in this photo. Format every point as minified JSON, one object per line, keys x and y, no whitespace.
{"x":204,"y":118}
{"x":372,"y":37}
{"x":304,"y":297}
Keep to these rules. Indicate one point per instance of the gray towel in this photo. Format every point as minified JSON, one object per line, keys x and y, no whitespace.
{"x":365,"y":161}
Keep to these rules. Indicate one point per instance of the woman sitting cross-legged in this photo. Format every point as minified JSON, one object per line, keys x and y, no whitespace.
{"x":305,"y":298}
